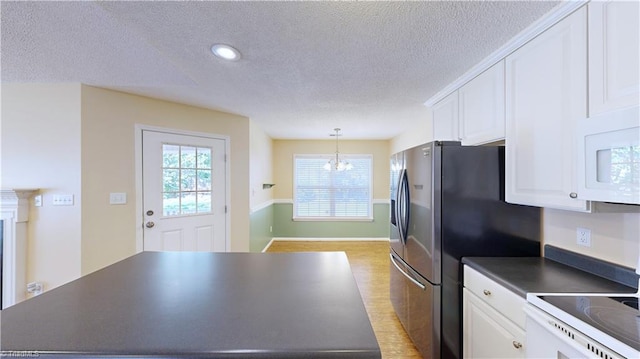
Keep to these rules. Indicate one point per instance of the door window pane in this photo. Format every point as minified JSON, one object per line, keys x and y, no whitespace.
{"x":204,"y":157}
{"x":187,"y":157}
{"x":170,"y":204}
{"x":186,"y":175}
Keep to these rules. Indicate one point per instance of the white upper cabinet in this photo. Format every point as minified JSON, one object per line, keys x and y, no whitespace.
{"x":481,"y":107}
{"x":445,"y":118}
{"x":614,"y":52}
{"x":546,"y":94}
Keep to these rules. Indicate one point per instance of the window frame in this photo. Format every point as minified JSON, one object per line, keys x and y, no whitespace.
{"x":327,"y":157}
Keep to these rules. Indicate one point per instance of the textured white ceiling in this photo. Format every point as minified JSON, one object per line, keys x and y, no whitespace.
{"x":306,"y":67}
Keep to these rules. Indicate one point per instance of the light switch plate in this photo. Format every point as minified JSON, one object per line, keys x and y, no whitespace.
{"x":37,"y":200}
{"x":63,"y":200}
{"x":117,"y":198}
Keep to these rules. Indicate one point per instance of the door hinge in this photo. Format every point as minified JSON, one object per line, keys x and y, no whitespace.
{"x":225,"y":209}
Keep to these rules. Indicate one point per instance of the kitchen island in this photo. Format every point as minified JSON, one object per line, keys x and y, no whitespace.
{"x":200,"y":305}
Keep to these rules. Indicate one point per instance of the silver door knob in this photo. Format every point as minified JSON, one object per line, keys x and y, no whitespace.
{"x":486,"y":292}
{"x":149,"y":213}
{"x":517,"y":345}
{"x":150,"y":224}
{"x":573,"y":195}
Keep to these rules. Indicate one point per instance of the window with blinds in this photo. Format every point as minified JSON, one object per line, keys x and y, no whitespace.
{"x":320,"y":194}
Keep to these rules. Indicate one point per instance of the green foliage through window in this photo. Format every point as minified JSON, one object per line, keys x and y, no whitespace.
{"x":186,"y":179}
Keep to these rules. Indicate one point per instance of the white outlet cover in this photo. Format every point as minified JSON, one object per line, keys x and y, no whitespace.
{"x":583,"y":237}
{"x":117,"y":198}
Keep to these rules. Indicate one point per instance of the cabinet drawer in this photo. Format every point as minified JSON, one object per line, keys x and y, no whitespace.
{"x":498,"y":297}
{"x":487,"y":333}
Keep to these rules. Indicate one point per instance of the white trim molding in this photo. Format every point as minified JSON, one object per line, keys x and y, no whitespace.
{"x":290,"y":201}
{"x":14,"y":212}
{"x":558,"y":13}
{"x":297,"y":239}
{"x":262,"y":205}
{"x":329,"y":239}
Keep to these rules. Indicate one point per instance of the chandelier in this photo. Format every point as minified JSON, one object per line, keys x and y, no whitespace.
{"x":337,"y":164}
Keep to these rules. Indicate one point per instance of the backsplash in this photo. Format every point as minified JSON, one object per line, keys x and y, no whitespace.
{"x":615,"y":237}
{"x":610,"y":271}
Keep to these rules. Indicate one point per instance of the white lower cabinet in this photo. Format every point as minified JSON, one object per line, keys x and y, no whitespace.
{"x":493,"y":321}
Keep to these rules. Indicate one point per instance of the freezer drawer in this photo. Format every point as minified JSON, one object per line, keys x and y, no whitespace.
{"x":417,"y":304}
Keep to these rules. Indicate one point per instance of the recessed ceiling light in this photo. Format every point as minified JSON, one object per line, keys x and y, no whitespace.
{"x":225,"y":52}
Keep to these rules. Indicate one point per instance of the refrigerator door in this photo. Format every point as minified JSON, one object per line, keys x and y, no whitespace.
{"x":417,"y":304}
{"x":422,"y":245}
{"x":395,"y":239}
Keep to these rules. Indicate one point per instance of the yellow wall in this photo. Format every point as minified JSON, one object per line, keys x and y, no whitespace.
{"x":421,"y":133}
{"x":79,"y":140}
{"x":108,"y":120}
{"x":261,"y":168}
{"x":283,"y":151}
{"x":40,"y":148}
{"x":615,"y":237}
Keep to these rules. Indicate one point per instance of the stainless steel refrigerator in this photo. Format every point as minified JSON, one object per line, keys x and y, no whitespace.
{"x":447,"y":202}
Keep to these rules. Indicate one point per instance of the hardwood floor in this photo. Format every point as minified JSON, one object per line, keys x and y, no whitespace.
{"x":370,"y":265}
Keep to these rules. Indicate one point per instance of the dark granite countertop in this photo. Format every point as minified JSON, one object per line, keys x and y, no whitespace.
{"x":524,"y":275}
{"x":200,"y":305}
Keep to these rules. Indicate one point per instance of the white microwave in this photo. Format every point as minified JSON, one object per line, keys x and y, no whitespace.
{"x":609,"y":157}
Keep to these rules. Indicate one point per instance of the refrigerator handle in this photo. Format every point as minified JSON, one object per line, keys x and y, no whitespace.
{"x":398,"y":205}
{"x":420,"y":285}
{"x":404,"y":205}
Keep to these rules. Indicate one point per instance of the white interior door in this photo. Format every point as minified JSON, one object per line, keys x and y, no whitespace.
{"x":184,"y":189}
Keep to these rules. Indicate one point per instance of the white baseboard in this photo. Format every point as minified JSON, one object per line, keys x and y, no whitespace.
{"x":296,"y":239}
{"x":268,"y":245}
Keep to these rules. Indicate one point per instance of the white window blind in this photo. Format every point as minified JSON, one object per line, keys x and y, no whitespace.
{"x":320,"y":194}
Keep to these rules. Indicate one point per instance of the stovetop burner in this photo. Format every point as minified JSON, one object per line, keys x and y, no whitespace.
{"x":617,"y":316}
{"x":630,"y":301}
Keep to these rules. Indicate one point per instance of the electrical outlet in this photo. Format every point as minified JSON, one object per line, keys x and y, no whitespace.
{"x":583,"y":237}
{"x":117,"y":198}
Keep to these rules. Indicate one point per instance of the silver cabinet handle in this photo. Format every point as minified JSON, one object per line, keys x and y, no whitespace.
{"x":517,"y":345}
{"x":486,"y":292}
{"x":420,"y":285}
{"x":149,"y":224}
{"x":573,"y":195}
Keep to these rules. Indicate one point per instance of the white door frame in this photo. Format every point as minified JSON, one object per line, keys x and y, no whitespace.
{"x":139,"y":128}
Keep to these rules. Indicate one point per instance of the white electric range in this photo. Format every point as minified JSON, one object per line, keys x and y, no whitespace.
{"x":563,"y":325}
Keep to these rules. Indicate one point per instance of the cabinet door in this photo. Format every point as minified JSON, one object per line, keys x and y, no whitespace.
{"x":481,"y":107}
{"x":614,"y":55}
{"x":445,"y":118}
{"x":487,"y":333}
{"x":546,"y":94}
